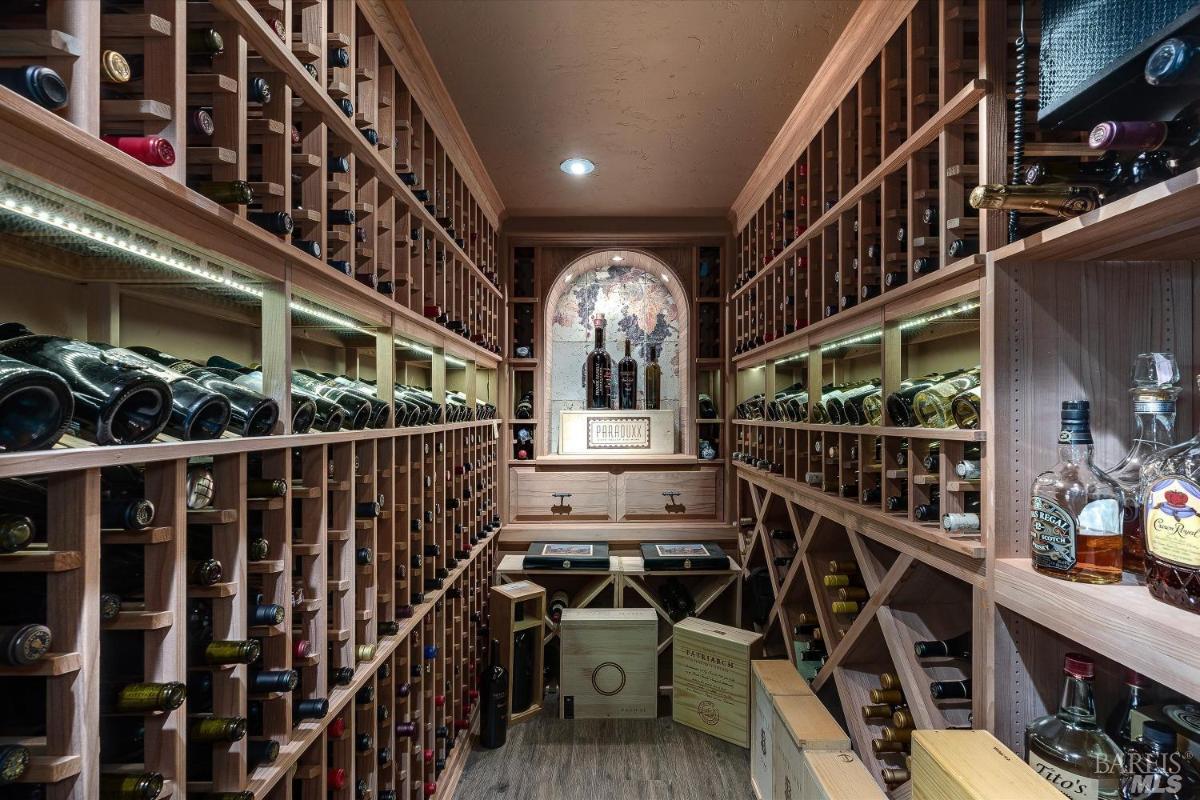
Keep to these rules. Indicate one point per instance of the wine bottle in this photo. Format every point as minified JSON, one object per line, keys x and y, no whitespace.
{"x":627,"y":380}
{"x":14,"y":760}
{"x":1062,"y":201}
{"x":950,"y":690}
{"x":115,"y":402}
{"x":227,"y":651}
{"x":211,"y":729}
{"x":200,"y":122}
{"x":599,"y":370}
{"x":141,"y":698}
{"x":23,"y":644}
{"x":130,"y":785}
{"x":233,"y":193}
{"x":38,"y":83}
{"x":276,"y":222}
{"x":654,"y":381}
{"x":152,"y":150}
{"x":956,"y":647}
{"x":261,"y":751}
{"x":251,"y":414}
{"x":493,"y":726}
{"x":16,"y":532}
{"x":37,"y":409}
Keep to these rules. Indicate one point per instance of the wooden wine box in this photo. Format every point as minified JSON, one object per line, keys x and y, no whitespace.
{"x":834,"y":775}
{"x":609,"y":663}
{"x":632,"y":431}
{"x":802,"y":723}
{"x":711,"y":678}
{"x":776,"y":677}
{"x":518,"y":612}
{"x":972,"y":765}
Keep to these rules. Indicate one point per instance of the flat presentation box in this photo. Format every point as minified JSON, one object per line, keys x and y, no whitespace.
{"x":802,"y":724}
{"x":567,"y":555}
{"x":835,"y":775}
{"x":972,"y":765}
{"x":776,"y":677}
{"x":616,"y":432}
{"x":609,"y":663}
{"x":682,"y":556}
{"x":711,"y":678}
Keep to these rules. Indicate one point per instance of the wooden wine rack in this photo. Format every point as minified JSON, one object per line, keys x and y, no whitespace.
{"x":910,"y":111}
{"x":314,"y":537}
{"x":401,"y":163}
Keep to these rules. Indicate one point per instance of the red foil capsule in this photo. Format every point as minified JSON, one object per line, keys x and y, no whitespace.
{"x":302,"y":648}
{"x":430,"y":788}
{"x":153,"y":150}
{"x":337,"y":778}
{"x":337,"y":728}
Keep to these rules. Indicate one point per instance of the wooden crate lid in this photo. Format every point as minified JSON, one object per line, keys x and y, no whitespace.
{"x":703,"y":627}
{"x":972,"y":765}
{"x":519,"y":590}
{"x":780,"y":677}
{"x":638,"y":615}
{"x":809,"y":723}
{"x":839,"y":775}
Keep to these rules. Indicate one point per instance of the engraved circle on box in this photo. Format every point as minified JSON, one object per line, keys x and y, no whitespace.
{"x":708,"y":712}
{"x":1186,"y":716}
{"x":606,"y":674}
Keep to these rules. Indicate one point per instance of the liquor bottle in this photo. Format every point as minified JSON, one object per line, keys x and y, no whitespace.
{"x":1120,"y":721}
{"x":558,"y":601}
{"x":599,"y":370}
{"x":654,"y":380}
{"x":1153,"y":763}
{"x":1075,"y":522}
{"x":1170,"y":499}
{"x":1055,"y":200}
{"x":152,"y":150}
{"x":493,"y":725}
{"x":1155,"y":380}
{"x":23,"y":644}
{"x":40,"y":84}
{"x":1068,"y":748}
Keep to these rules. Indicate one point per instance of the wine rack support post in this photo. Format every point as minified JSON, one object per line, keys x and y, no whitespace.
{"x":81,"y":20}
{"x":166,"y":590}
{"x":104,"y":312}
{"x":277,"y":350}
{"x":229,"y":613}
{"x":385,"y":365}
{"x":73,"y":614}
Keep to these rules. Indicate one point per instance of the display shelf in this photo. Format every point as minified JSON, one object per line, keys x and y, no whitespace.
{"x":1123,"y":622}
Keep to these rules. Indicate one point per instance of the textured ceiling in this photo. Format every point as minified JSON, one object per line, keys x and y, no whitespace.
{"x":676,"y":102}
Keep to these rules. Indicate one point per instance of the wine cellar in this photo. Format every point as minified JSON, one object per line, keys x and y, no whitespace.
{"x":829,"y":436}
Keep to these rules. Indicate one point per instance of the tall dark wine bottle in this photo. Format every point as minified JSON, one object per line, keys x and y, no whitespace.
{"x":493,"y":725}
{"x":627,"y":379}
{"x":957,"y":647}
{"x":37,"y":406}
{"x":599,"y":370}
{"x":115,"y":401}
{"x":40,"y":84}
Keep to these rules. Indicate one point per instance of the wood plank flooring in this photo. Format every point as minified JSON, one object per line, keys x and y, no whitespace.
{"x":643,"y":759}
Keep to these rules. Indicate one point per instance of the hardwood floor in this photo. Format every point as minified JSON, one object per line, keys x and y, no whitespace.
{"x":552,"y":759}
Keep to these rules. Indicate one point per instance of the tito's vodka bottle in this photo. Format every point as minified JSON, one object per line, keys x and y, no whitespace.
{"x":599,"y":370}
{"x":1075,"y":509}
{"x":1069,"y":748}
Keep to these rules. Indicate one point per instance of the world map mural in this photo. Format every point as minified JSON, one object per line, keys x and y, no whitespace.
{"x":638,"y":307}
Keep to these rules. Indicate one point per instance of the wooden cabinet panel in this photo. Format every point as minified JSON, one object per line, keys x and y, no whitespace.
{"x":532,"y":495}
{"x":698,"y":495}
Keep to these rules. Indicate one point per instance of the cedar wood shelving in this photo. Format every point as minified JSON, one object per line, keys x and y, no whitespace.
{"x":910,"y":111}
{"x":313,"y":535}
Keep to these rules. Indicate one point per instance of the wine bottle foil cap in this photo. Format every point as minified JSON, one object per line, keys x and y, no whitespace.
{"x":1169,"y":61}
{"x":116,"y":68}
{"x":1078,"y":665}
{"x":1135,"y":678}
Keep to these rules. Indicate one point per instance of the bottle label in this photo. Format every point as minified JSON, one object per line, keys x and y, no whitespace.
{"x":1172,"y":508}
{"x":1053,"y":531}
{"x":1079,"y":787}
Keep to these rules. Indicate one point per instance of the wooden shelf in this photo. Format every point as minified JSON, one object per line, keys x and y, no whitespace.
{"x":1122,"y":622}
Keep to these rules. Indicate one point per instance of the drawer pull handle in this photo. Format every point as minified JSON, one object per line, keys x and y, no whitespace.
{"x":671,"y":494}
{"x":562,"y":498}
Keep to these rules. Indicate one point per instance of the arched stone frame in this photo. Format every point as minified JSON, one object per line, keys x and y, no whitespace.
{"x":684,"y":442}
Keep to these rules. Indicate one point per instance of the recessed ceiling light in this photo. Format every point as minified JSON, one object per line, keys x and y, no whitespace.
{"x":577,"y":166}
{"x":618,"y":258}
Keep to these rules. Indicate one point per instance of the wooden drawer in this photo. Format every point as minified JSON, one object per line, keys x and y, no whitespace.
{"x":641,"y":495}
{"x":531,"y":495}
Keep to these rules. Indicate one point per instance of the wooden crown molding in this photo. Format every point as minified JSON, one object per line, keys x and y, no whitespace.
{"x":866,"y":33}
{"x":403,"y":44}
{"x":607,"y":231}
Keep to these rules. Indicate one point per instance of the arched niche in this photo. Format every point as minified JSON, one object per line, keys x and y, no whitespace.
{"x":644,"y":301}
